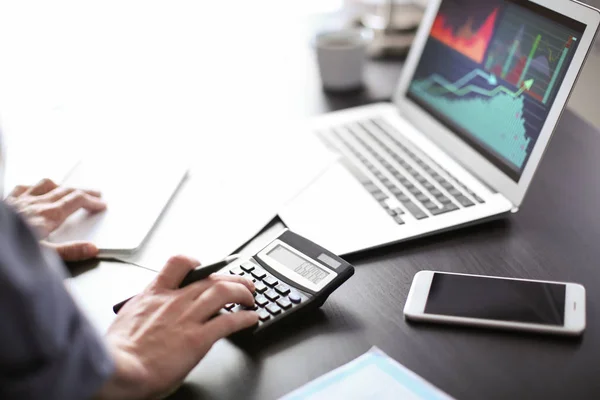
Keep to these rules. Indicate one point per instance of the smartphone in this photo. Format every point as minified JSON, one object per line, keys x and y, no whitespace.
{"x":494,"y":302}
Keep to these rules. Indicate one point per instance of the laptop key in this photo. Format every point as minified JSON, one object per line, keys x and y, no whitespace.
{"x":439,"y":211}
{"x":464,"y":201}
{"x":371,"y":187}
{"x":414,"y":191}
{"x":414,"y":210}
{"x":402,"y":198}
{"x":444,"y":200}
{"x":422,"y":198}
{"x":454,"y":192}
{"x":430,"y":205}
{"x":380,"y":196}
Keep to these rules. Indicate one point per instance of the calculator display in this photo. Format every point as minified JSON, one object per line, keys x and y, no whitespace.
{"x":298,"y":264}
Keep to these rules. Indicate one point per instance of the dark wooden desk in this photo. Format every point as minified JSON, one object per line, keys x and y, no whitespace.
{"x":554,"y":236}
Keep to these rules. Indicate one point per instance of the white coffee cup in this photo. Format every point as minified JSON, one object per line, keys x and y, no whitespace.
{"x":341,"y":56}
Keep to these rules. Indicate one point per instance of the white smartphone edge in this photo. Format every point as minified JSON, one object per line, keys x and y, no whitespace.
{"x":574,"y":317}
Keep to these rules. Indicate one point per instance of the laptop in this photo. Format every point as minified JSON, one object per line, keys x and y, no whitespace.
{"x":480,"y":94}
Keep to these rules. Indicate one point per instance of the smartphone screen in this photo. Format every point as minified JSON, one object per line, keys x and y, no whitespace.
{"x":497,"y":299}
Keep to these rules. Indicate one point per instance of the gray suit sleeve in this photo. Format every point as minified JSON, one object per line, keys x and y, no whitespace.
{"x":48,"y":350}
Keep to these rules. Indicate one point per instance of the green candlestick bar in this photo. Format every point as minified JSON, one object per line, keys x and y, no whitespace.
{"x":555,"y":75}
{"x":513,"y":49}
{"x":531,"y":54}
{"x":489,"y":62}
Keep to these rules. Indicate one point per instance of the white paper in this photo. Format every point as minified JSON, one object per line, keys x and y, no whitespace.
{"x":374,"y":375}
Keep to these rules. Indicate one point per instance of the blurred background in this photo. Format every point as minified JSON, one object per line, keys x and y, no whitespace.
{"x":81,"y":76}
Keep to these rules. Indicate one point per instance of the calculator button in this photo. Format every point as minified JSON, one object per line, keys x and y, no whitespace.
{"x":282,"y":289}
{"x":273,"y":308}
{"x":259,"y":273}
{"x":271,"y":281}
{"x":247,"y":266}
{"x":260,"y":287}
{"x":261,"y":300}
{"x":284,"y":303}
{"x":295,"y":297}
{"x":236,"y":271}
{"x":272,"y":295}
{"x":253,"y":307}
{"x":263,"y":315}
{"x":229,"y":306}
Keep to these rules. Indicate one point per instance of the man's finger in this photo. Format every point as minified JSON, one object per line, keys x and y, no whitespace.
{"x":74,"y":251}
{"x":215,"y":297}
{"x":199,"y":287}
{"x":18,"y":190}
{"x":78,"y":199}
{"x":172,"y":274}
{"x":226,"y":324}
{"x":42,"y":187}
{"x":61,"y":192}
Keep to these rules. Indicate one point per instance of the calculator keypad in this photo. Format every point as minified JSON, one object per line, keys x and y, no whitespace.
{"x":272,"y":298}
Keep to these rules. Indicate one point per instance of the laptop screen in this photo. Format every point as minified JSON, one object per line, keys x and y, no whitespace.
{"x":490,"y":71}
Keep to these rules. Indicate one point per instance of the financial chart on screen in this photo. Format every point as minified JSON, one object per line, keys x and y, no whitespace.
{"x":490,"y":72}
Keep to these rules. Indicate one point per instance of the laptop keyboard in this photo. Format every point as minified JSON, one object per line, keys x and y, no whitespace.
{"x":401,"y":178}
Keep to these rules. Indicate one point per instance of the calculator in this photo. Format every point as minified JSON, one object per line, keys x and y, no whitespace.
{"x":291,"y":274}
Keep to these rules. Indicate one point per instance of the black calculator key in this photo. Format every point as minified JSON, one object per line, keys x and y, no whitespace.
{"x":295,"y":297}
{"x":237,"y":271}
{"x":254,"y":307}
{"x":272,"y":295}
{"x":229,"y":306}
{"x":282,"y":289}
{"x":284,"y":303}
{"x":259,"y":273}
{"x":261,"y":300}
{"x":263,"y":315}
{"x":247,"y":266}
{"x":260,"y":287}
{"x":273,"y":308}
{"x":270,"y":281}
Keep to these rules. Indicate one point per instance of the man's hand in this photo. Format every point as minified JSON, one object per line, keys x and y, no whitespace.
{"x":46,"y":206}
{"x":161,"y":334}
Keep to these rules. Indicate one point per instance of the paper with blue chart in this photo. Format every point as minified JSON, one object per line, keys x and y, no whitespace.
{"x":374,"y":375}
